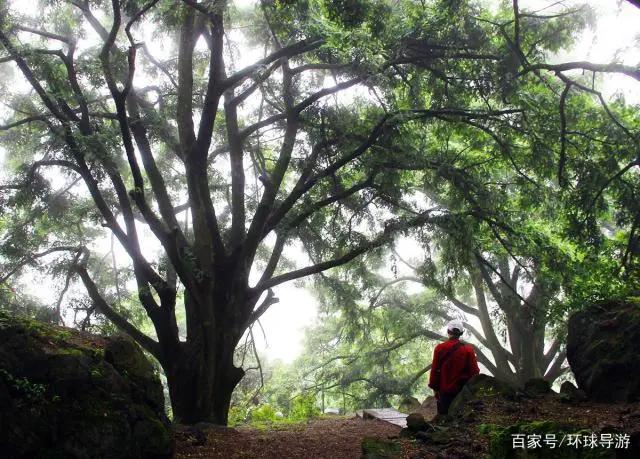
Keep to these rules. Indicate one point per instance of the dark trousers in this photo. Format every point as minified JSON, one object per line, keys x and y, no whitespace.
{"x":444,"y":402}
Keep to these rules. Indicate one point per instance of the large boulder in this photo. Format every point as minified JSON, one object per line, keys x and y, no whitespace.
{"x":602,"y":349}
{"x":477,"y":388}
{"x":69,"y":394}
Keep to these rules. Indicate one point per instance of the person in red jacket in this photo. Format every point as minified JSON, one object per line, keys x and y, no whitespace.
{"x":454,"y":363}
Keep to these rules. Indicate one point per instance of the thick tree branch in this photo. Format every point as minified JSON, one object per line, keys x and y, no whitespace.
{"x":208,"y":242}
{"x":123,"y":324}
{"x":300,"y":47}
{"x":215,"y":88}
{"x":184,"y":107}
{"x":384,"y":237}
{"x":270,"y":299}
{"x":276,"y":253}
{"x":633,"y":72}
{"x":43,"y":33}
{"x":236,"y":159}
{"x":551,"y":353}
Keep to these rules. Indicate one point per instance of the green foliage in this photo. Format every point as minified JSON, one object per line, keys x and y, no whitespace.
{"x":304,"y":407}
{"x":375,"y":448}
{"x":237,"y":415}
{"x":446,"y":139}
{"x":367,"y":349}
{"x":263,"y":414}
{"x":30,"y":391}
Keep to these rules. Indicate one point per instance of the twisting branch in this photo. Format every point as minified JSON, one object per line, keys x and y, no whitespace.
{"x":31,"y":258}
{"x":44,"y":33}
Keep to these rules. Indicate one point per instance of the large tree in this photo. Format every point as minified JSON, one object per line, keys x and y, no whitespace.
{"x":257,"y":156}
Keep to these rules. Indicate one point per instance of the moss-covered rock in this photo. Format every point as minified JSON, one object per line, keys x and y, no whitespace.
{"x":602,"y":349}
{"x":68,"y":394}
{"x":478,"y":387}
{"x":375,"y":448}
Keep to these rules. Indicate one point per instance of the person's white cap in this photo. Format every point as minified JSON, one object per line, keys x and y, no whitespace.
{"x":455,"y":325}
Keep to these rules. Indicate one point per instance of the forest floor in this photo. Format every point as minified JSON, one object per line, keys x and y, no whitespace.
{"x":334,"y":438}
{"x":342,"y":437}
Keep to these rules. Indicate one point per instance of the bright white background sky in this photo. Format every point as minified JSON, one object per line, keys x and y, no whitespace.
{"x":617,"y":33}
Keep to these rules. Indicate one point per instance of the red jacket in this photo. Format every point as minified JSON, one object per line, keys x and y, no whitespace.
{"x":456,"y":370}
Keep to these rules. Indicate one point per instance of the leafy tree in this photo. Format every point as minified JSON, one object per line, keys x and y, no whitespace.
{"x":257,"y":157}
{"x":367,"y":354}
{"x":515,"y":262}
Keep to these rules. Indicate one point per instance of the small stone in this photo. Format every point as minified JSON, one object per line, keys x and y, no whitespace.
{"x":409,"y":405}
{"x":571,"y":394}
{"x":536,"y":387}
{"x":416,"y":422}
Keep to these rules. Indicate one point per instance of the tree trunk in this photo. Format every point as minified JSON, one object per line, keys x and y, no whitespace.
{"x":201,"y":374}
{"x":200,"y":388}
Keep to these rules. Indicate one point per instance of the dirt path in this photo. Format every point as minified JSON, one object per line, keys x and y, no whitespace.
{"x":339,"y":437}
{"x":323,"y":438}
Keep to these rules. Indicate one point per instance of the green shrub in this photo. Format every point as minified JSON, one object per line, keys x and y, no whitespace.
{"x":304,"y":407}
{"x":264,"y":413}
{"x":237,"y":415}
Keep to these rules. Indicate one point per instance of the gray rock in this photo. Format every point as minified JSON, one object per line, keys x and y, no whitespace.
{"x":409,"y":405}
{"x":602,"y":349}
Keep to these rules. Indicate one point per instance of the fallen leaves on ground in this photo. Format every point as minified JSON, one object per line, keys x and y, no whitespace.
{"x":320,"y":438}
